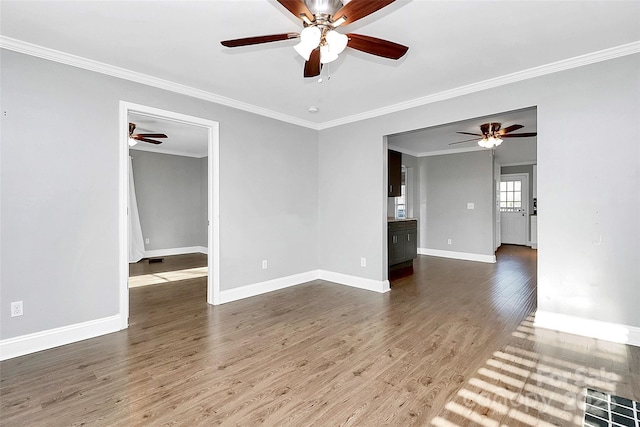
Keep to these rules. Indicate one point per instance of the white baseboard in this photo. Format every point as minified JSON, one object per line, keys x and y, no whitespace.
{"x":31,"y":343}
{"x":597,"y":329}
{"x":457,"y":255}
{"x":229,"y":295}
{"x":247,"y":291}
{"x":380,"y":286}
{"x":175,"y":251}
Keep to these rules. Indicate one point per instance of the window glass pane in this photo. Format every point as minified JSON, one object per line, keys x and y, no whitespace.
{"x":518,"y":197}
{"x":509,"y":197}
{"x":510,"y":204}
{"x":517,"y":204}
{"x":517,"y":185}
{"x":510,"y":185}
{"x":503,"y":186}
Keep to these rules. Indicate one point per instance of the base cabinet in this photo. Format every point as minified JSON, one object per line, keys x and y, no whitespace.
{"x":402,"y":241}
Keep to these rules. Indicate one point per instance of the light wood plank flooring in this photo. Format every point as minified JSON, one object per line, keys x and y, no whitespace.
{"x":452,"y":345}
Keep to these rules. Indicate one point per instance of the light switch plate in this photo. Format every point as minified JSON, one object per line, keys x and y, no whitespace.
{"x":471,"y":206}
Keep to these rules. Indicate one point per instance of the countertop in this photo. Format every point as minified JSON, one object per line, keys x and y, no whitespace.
{"x":392,"y":219}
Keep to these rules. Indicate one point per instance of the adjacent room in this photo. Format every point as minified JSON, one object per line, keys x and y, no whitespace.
{"x":168,"y":200}
{"x":354,"y":236}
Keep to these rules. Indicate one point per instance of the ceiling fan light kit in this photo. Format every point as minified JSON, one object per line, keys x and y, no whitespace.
{"x":319,"y":42}
{"x":492,"y":134}
{"x":490,"y":142}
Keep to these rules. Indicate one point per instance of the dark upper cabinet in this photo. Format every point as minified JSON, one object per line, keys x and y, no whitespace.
{"x":395,"y":173}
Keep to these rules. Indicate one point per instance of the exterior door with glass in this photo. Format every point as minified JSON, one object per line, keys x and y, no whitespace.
{"x":514,"y":209}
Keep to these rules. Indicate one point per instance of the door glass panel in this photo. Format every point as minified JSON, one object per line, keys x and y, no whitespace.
{"x":510,"y":196}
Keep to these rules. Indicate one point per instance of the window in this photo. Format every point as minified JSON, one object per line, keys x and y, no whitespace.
{"x":511,"y":196}
{"x":401,"y":202}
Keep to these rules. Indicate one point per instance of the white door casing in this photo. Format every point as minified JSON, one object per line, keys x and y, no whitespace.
{"x":213,"y":240}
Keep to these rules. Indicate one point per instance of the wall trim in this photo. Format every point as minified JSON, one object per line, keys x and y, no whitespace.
{"x":31,"y":343}
{"x":247,"y":291}
{"x":608,"y":331}
{"x":44,"y":340}
{"x":542,"y":70}
{"x":175,"y":251}
{"x":157,"y":149}
{"x":100,"y":67}
{"x":466,"y":256}
{"x":380,"y":286}
{"x":123,"y":73}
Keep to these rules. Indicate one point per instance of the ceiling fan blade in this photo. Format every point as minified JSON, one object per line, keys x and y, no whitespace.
{"x":469,"y":133}
{"x":376,"y":46}
{"x":148,"y":140}
{"x":150,"y":135}
{"x":466,"y":140}
{"x":297,"y":7}
{"x":312,"y":67}
{"x":509,"y":129}
{"x":259,"y":39}
{"x":519,"y":135}
{"x":357,"y":9}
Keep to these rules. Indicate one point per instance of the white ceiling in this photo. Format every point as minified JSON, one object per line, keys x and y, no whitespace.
{"x":435,"y":140}
{"x":452,"y":44}
{"x":182,"y":139}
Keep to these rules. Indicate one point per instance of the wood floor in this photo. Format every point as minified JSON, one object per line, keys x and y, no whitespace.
{"x":452,"y":345}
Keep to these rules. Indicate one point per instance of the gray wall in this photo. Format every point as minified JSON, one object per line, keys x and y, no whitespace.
{"x":281,"y":184}
{"x":169,"y":191}
{"x":59,"y":189}
{"x":451,"y":181}
{"x":579,"y":274}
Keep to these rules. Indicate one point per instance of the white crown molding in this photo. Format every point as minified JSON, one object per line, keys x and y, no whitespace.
{"x":99,"y":67}
{"x":122,"y":73}
{"x":542,"y":70}
{"x":529,"y":163}
{"x":157,"y":149}
{"x":436,"y":153}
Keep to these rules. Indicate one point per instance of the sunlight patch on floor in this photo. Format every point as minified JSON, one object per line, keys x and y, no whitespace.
{"x":518,"y":386}
{"x":167,"y":276}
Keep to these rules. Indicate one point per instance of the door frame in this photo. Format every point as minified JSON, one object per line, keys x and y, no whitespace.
{"x":525,"y":203}
{"x":213,"y":199}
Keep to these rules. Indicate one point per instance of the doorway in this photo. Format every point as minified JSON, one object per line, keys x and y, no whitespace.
{"x":514,"y":209}
{"x":213,"y":199}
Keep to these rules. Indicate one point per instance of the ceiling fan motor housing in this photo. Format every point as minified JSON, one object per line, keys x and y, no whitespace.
{"x":323,"y":7}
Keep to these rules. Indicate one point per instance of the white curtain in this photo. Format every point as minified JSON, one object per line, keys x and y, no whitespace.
{"x":136,"y":241}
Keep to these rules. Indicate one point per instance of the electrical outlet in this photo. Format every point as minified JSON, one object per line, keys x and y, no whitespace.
{"x":363,"y":262}
{"x":264,"y":264}
{"x":448,"y":241}
{"x":146,"y":240}
{"x":16,"y":308}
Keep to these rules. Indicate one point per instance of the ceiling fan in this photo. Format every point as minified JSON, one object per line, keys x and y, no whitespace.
{"x":134,"y":138}
{"x":320,"y":43}
{"x":492,"y":134}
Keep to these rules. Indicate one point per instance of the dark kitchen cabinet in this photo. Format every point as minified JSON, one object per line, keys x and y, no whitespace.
{"x":395,"y":173}
{"x":402,"y":243}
